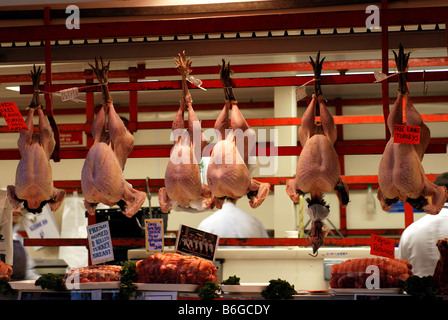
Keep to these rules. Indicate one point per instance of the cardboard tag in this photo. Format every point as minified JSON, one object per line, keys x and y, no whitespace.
{"x":196,"y":242}
{"x":300,"y":93}
{"x":69,"y":94}
{"x":154,"y":235}
{"x":100,"y":242}
{"x":196,"y":82}
{"x":380,"y":246}
{"x":12,"y":115}
{"x":407,"y":134}
{"x":379,"y":76}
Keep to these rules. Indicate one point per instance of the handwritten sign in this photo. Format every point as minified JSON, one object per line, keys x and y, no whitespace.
{"x":154,"y":235}
{"x":100,"y":242}
{"x":196,"y":242}
{"x":407,"y":134}
{"x":13,"y":118}
{"x":380,"y":246}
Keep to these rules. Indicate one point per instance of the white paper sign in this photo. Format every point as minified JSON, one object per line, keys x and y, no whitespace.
{"x":100,"y":242}
{"x":154,"y":235}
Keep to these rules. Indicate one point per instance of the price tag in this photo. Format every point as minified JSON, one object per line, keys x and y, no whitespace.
{"x":196,"y":242}
{"x":380,"y":246}
{"x":69,"y":94}
{"x":300,"y":93}
{"x":379,"y":76}
{"x":154,"y":235}
{"x":100,"y":242}
{"x":196,"y":82}
{"x":13,"y":118}
{"x":407,"y":134}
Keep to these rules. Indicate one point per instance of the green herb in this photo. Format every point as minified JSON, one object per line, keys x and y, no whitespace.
{"x":51,"y":281}
{"x":421,"y":288}
{"x":128,"y":276}
{"x":278,"y":289}
{"x":5,"y":287}
{"x":209,"y":291}
{"x":232,"y":280}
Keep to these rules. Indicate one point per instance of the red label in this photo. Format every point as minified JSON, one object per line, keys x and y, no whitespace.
{"x":72,"y":138}
{"x":407,"y":134}
{"x":12,"y":115}
{"x":380,"y":246}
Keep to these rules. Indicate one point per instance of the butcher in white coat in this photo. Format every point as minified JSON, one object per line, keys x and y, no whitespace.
{"x":232,"y":222}
{"x":418,"y":241}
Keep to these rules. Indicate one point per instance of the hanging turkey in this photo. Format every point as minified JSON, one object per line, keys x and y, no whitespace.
{"x":34,"y":182}
{"x":102,"y":178}
{"x":183,"y":185}
{"x":401,"y":175}
{"x":228,"y":174}
{"x":318,"y":168}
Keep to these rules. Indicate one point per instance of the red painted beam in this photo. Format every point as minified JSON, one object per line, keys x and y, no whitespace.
{"x":366,"y":119}
{"x":223,"y":24}
{"x":242,"y":83}
{"x":344,"y":242}
{"x":201,"y":25}
{"x":239,"y":69}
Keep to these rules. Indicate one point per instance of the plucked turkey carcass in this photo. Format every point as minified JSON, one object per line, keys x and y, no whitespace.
{"x":440,"y":276}
{"x":34,"y":181}
{"x":228,"y":172}
{"x":175,"y":268}
{"x":401,"y":175}
{"x":102,"y":179}
{"x":318,"y":168}
{"x":183,"y":185}
{"x":354,"y":273}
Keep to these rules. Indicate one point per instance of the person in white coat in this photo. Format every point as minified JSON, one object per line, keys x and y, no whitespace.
{"x":418,"y":241}
{"x":232,"y":222}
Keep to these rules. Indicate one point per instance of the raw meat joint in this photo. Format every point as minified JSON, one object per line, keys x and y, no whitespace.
{"x":318,"y":168}
{"x":401,"y":175}
{"x":5,"y":271}
{"x":102,"y":178}
{"x":103,"y":273}
{"x":183,"y":185}
{"x":228,"y":173}
{"x":34,"y":180}
{"x":354,"y":273}
{"x":175,"y":268}
{"x":440,"y":277}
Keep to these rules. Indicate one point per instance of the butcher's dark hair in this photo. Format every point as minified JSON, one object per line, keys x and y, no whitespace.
{"x":442,"y":180}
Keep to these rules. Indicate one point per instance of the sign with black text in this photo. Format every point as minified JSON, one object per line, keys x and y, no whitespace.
{"x":154,"y":235}
{"x":100,"y":242}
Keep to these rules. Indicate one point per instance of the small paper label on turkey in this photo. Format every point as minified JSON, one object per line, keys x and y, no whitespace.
{"x":154,"y":235}
{"x":12,"y":116}
{"x":196,"y":82}
{"x":69,"y":94}
{"x":379,"y":76}
{"x":407,"y":134}
{"x":383,"y":247}
{"x":300,"y":93}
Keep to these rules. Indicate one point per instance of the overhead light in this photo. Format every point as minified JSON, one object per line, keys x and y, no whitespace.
{"x":15,"y":88}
